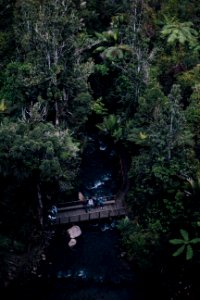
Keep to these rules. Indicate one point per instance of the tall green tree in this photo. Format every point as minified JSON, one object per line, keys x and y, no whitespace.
{"x":39,"y":155}
{"x":48,"y":64}
{"x":165,"y":145}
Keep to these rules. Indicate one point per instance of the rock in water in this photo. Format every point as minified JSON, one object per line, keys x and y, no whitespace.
{"x":74,"y":231}
{"x":72,"y":243}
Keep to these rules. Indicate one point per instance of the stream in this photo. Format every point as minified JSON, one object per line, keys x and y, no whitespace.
{"x":99,"y":169}
{"x":95,"y":268}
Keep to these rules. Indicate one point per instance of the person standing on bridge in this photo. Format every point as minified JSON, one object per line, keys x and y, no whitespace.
{"x":91,"y":203}
{"x":96,"y":201}
{"x":101,"y":202}
{"x":52,"y":213}
{"x":86,"y":205}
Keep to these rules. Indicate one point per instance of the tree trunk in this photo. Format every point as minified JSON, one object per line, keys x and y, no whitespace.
{"x":40,"y":207}
{"x":57,"y":113}
{"x":171,"y":133}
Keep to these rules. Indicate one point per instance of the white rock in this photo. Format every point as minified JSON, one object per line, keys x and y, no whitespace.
{"x":72,"y":243}
{"x":74,"y":231}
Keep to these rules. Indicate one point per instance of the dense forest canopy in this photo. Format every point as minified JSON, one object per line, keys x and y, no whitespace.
{"x":131,"y":70}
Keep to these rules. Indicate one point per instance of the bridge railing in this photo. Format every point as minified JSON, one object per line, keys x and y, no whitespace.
{"x":71,"y":204}
{"x":92,"y":215}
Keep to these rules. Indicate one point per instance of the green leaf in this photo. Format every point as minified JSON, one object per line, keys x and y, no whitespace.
{"x":176,"y":241}
{"x":3,"y":106}
{"x":98,"y":107}
{"x":189,"y":252}
{"x":115,"y":36}
{"x":100,"y":49}
{"x":143,"y":135}
{"x":125,"y":47}
{"x":179,"y":251}
{"x":184,"y":234}
{"x":113,"y":53}
{"x":195,"y":241}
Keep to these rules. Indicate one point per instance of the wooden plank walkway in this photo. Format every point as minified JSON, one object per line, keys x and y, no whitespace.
{"x":77,"y":213}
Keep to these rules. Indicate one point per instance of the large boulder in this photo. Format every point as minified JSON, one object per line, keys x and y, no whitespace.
{"x":74,"y":231}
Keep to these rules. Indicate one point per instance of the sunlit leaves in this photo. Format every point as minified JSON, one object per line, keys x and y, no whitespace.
{"x":3,"y":106}
{"x":112,"y":126}
{"x":179,"y":32}
{"x":99,"y":107}
{"x":143,"y":135}
{"x":40,"y":149}
{"x":112,"y":48}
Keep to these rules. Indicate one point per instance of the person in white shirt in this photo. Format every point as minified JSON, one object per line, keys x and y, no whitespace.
{"x":91,"y":203}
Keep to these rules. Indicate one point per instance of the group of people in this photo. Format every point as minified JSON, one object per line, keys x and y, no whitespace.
{"x":93,"y":203}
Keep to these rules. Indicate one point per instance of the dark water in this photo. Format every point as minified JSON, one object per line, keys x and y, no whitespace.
{"x":100,"y":168}
{"x":93,"y":269}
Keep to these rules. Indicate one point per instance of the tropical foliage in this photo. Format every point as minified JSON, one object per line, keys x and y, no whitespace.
{"x":185,"y":244}
{"x":129,"y":70}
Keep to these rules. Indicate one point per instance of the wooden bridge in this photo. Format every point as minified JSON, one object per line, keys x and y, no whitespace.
{"x":75,"y":212}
